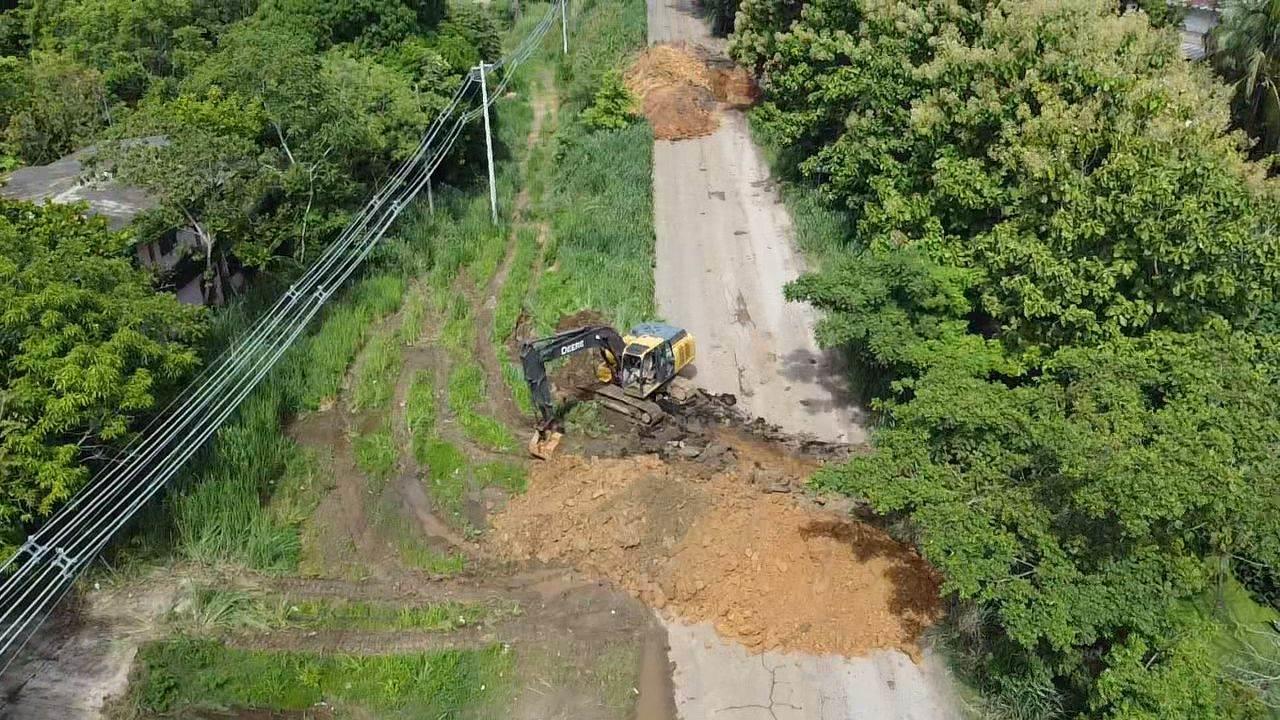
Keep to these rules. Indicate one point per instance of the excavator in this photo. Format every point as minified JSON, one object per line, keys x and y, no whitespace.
{"x":632,"y":370}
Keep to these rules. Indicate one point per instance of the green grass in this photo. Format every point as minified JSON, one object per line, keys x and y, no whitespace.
{"x":600,"y":253}
{"x":459,"y":328}
{"x":315,"y":368}
{"x":604,"y":35}
{"x":217,"y":609}
{"x":586,"y":418}
{"x":513,"y":378}
{"x":420,"y":408}
{"x":509,"y":476}
{"x":512,"y":297}
{"x":447,"y":468}
{"x":467,"y":393}
{"x":376,"y":380}
{"x":412,"y":322}
{"x":180,"y":675}
{"x":377,"y":455}
{"x":432,"y":561}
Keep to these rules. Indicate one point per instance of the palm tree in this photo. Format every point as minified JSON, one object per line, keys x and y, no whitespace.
{"x":1248,"y":54}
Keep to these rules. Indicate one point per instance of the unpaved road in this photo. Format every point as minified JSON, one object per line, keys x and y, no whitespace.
{"x":724,"y":252}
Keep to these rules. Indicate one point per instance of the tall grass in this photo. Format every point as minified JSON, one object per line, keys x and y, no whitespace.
{"x":605,"y":33}
{"x":377,"y":455}
{"x":596,"y":189}
{"x":420,"y":407}
{"x":380,"y":368}
{"x":179,"y":676}
{"x":314,"y":369}
{"x":215,"y":609}
{"x":601,"y":251}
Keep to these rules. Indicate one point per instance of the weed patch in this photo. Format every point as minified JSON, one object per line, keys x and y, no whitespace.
{"x":377,"y":455}
{"x":185,"y":674}
{"x":375,"y":382}
{"x":467,"y":392}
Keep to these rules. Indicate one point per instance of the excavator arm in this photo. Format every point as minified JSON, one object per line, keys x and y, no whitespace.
{"x":535,"y":355}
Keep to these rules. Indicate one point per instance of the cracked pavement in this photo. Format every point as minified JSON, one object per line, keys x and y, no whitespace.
{"x":716,"y":679}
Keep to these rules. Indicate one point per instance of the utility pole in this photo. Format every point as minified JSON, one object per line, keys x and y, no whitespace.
{"x":564,"y":24}
{"x":431,"y":202}
{"x":488,"y":144}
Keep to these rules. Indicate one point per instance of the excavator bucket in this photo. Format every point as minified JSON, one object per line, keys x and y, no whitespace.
{"x":544,"y":447}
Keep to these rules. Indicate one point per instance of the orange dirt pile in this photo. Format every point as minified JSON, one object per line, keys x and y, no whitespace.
{"x":674,"y":87}
{"x":765,"y":569}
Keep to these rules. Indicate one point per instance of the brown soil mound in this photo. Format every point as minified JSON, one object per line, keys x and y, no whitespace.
{"x":734,"y":87}
{"x":763,"y":567}
{"x":674,"y":87}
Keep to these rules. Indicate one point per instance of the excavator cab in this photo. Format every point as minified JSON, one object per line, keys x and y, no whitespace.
{"x":655,"y":353}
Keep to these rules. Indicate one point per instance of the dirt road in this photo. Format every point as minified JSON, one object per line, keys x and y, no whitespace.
{"x":724,"y":252}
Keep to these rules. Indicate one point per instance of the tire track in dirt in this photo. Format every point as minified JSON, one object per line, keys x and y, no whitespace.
{"x":501,"y":401}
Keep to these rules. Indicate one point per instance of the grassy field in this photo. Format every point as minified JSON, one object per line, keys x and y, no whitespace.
{"x":186,"y":674}
{"x":213,"y":610}
{"x":595,"y":188}
{"x":255,"y":488}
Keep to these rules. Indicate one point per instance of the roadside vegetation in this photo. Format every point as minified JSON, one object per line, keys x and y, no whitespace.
{"x":595,"y":189}
{"x":197,"y":672}
{"x":1055,"y":261}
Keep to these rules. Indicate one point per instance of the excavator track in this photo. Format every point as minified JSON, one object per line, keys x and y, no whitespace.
{"x":644,"y":412}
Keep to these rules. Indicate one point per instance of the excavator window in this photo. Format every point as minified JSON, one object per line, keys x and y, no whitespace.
{"x":631,"y":368}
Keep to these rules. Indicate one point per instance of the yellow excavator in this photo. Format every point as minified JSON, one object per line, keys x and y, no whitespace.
{"x":633,"y":368}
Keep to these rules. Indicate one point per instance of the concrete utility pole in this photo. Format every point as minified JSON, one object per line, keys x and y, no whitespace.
{"x":488,"y":144}
{"x":431,"y":202}
{"x":564,"y":24}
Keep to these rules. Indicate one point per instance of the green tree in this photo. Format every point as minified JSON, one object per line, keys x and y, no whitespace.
{"x":86,"y":347}
{"x":1248,"y":55}
{"x":201,"y":163}
{"x":57,"y":106}
{"x":1066,"y":269}
{"x":1078,"y":504}
{"x":613,"y":108}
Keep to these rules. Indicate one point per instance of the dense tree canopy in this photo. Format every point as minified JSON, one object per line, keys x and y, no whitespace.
{"x":86,"y":346}
{"x":1065,"y":269}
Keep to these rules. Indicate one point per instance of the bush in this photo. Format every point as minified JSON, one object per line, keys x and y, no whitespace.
{"x":613,"y":107}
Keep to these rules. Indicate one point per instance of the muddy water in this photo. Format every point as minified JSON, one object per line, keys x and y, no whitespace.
{"x":656,"y":699}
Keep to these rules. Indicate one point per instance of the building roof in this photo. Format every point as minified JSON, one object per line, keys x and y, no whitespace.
{"x":66,"y":181}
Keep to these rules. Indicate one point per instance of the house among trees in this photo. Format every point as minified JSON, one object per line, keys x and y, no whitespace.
{"x":72,"y":180}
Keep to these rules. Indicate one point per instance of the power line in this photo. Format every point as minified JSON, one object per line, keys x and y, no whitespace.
{"x":46,"y":567}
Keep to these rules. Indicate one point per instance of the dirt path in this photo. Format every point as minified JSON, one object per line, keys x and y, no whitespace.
{"x":82,"y":656}
{"x":724,"y":253}
{"x":503,"y":404}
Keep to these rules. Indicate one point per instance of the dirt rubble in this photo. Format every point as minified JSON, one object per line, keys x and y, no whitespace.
{"x":680,"y":90}
{"x":723,"y":538}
